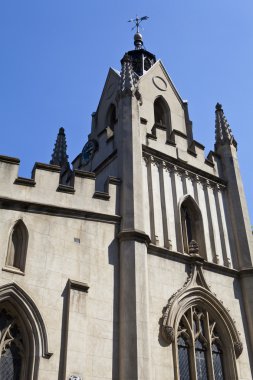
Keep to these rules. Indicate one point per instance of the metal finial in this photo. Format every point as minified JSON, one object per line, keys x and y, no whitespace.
{"x":138,"y":37}
{"x":137,"y":21}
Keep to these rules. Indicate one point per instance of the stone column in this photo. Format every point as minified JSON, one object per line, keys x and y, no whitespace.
{"x":134,"y":351}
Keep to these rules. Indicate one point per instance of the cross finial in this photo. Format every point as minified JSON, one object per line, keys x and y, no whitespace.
{"x":137,"y":21}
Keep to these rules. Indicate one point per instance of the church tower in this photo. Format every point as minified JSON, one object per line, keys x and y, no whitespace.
{"x":136,"y":263}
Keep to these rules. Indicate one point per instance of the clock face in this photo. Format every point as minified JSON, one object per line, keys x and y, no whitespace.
{"x":88,"y":151}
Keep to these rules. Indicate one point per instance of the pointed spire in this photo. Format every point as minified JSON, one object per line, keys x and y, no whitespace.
{"x":59,"y":156}
{"x":223,"y":133}
{"x":128,"y":77}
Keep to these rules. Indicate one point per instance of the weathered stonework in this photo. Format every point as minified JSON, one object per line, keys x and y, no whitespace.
{"x":103,"y":263}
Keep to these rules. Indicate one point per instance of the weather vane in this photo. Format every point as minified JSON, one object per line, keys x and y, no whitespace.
{"x":137,"y":21}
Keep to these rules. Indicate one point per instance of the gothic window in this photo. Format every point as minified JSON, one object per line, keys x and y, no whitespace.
{"x":192,"y":227}
{"x":12,"y":353}
{"x":111,"y":119}
{"x":199,"y":347}
{"x":162,"y":115}
{"x":17,"y":246}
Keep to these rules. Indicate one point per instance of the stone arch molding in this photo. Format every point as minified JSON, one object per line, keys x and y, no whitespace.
{"x":195,"y":291}
{"x":14,"y":296}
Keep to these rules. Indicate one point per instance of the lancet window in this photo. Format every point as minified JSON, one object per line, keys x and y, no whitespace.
{"x":111,"y":120}
{"x":199,"y":347}
{"x":162,"y":115}
{"x":17,"y":247}
{"x":192,"y":227}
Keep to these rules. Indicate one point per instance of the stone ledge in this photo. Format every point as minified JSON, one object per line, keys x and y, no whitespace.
{"x":101,"y":195}
{"x":13,"y":270}
{"x":9,"y":160}
{"x":187,"y":259}
{"x":25,"y":181}
{"x":135,"y":235}
{"x":77,"y":285}
{"x":39,"y":208}
{"x":65,"y":189}
{"x":47,"y":167}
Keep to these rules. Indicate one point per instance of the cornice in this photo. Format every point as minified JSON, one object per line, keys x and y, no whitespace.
{"x":182,"y":168}
{"x":187,"y":259}
{"x":136,"y":235}
{"x":77,"y":285}
{"x":39,"y":208}
{"x":9,"y":160}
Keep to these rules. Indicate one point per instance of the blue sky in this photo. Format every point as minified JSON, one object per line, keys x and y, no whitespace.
{"x":55,"y":55}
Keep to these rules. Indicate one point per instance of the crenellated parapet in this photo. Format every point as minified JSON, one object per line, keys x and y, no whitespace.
{"x":45,"y":189}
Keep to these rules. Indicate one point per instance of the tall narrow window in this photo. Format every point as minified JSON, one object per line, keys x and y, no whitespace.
{"x":111,"y":119}
{"x":192,"y":225}
{"x":16,"y":255}
{"x":162,"y":115}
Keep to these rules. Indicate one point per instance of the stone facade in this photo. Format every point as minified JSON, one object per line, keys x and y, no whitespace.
{"x":106,"y":266}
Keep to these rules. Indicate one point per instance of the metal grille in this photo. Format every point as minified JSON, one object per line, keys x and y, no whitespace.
{"x":217,"y":362}
{"x":10,"y":364}
{"x":183,"y":357}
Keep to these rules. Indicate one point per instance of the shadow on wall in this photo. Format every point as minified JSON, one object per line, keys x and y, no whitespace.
{"x":113,"y":259}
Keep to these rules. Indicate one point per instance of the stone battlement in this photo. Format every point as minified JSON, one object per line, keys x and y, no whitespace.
{"x":44,"y":188}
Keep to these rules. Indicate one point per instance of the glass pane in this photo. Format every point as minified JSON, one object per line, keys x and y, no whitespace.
{"x":10,"y":364}
{"x":200,"y":361}
{"x":183,"y":358}
{"x":217,"y":362}
{"x":10,"y":360}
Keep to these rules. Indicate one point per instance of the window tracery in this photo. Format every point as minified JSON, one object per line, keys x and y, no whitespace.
{"x":12,"y":353}
{"x":199,"y":347}
{"x":202,"y":333}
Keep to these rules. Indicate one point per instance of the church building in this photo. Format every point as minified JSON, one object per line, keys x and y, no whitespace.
{"x":135,"y":262}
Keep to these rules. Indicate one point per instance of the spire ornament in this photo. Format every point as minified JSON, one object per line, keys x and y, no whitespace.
{"x":129,"y":79}
{"x":138,"y":42}
{"x":223,"y":133}
{"x":59,"y":156}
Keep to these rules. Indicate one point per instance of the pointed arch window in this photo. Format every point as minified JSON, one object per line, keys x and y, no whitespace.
{"x":17,"y":247}
{"x":199,"y":347}
{"x":192,"y":226}
{"x":162,"y":115}
{"x":111,"y":120}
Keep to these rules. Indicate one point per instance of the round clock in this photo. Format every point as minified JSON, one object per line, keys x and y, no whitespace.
{"x":88,"y":151}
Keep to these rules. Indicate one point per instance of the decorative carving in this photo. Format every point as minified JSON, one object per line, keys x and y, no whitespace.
{"x":196,"y":291}
{"x":238,"y":346}
{"x":168,"y":334}
{"x":159,"y":83}
{"x":5,"y":339}
{"x":183,"y":173}
{"x":193,"y":248}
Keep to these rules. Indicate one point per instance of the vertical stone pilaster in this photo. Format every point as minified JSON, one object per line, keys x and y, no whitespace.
{"x":222,"y":228}
{"x":177,"y":192}
{"x":74,"y":336}
{"x":207,"y":223}
{"x":134,"y":346}
{"x":157,"y":210}
{"x":169,"y":206}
